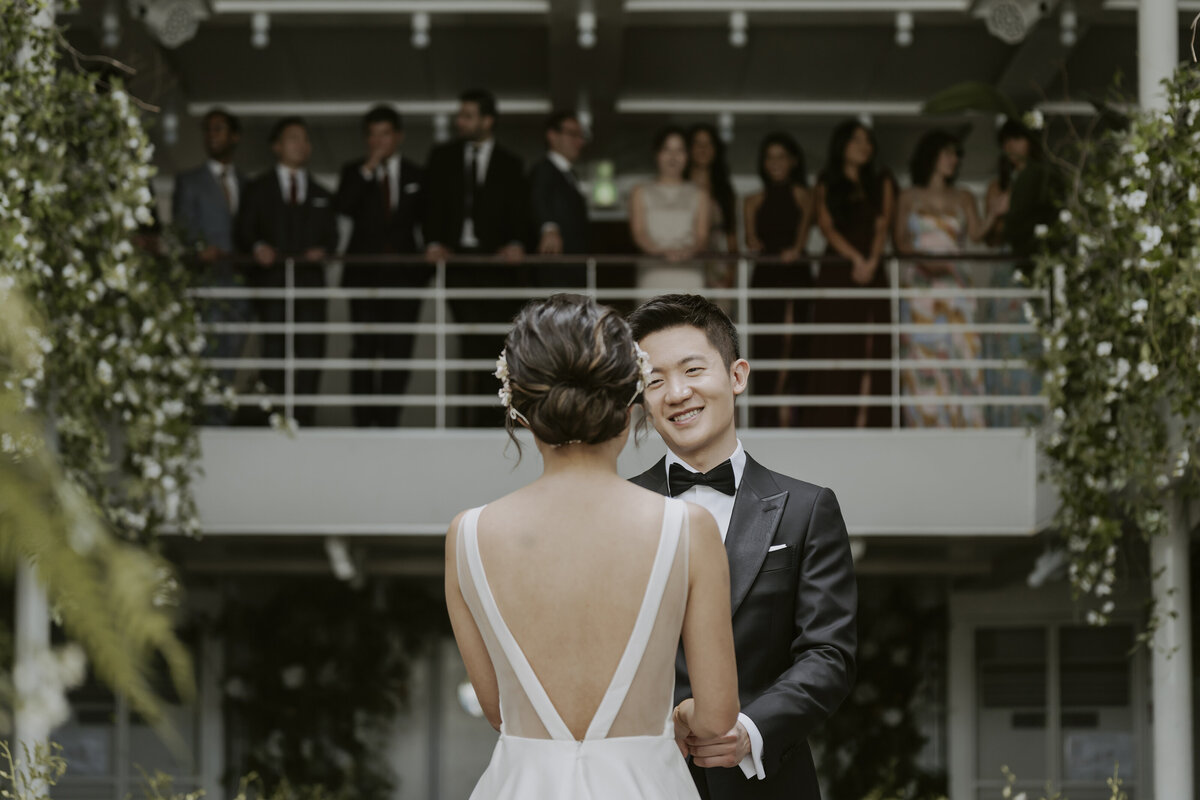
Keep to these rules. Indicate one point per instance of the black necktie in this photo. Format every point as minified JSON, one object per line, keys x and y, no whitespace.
{"x":472,"y":177}
{"x":720,"y":477}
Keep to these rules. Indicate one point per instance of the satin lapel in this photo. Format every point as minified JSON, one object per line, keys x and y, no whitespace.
{"x":655,"y":478}
{"x":756,"y":514}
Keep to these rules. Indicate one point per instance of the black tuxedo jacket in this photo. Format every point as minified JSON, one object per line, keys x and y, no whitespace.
{"x":264,"y":217}
{"x":378,"y":232}
{"x":500,"y":203}
{"x":794,"y":626}
{"x":554,"y":198}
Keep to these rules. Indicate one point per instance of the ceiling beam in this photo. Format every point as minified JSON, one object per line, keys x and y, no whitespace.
{"x":355,"y":108}
{"x":380,"y":6}
{"x":793,"y":6}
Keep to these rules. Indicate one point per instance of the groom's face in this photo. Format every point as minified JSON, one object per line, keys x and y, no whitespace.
{"x":690,"y":394}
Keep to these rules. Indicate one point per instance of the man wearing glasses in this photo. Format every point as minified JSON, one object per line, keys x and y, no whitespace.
{"x":560,"y":213}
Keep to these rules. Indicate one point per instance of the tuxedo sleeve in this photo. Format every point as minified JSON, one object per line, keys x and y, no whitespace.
{"x":541,"y":195}
{"x":247,"y":230}
{"x":824,"y":643}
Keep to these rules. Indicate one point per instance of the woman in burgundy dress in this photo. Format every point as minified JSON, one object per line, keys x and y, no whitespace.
{"x":778,"y":220}
{"x":854,"y":208}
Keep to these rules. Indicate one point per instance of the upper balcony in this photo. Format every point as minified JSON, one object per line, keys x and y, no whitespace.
{"x":979,"y":479}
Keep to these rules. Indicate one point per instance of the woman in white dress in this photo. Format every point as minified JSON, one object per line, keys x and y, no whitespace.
{"x":569,"y":597}
{"x":668,"y":218}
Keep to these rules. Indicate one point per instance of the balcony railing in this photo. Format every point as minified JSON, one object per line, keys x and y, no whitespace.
{"x":995,"y":328}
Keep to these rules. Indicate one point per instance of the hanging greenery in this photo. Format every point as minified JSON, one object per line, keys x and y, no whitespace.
{"x":1121,"y":335}
{"x":316,"y":675}
{"x":115,"y":600}
{"x":120,"y":377}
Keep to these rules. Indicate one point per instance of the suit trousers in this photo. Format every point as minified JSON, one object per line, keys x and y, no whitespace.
{"x":367,"y":346}
{"x":483,"y":346}
{"x":307,"y":345}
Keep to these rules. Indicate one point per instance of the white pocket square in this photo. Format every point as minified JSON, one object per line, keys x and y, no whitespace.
{"x":319,"y":202}
{"x":775,"y":547}
{"x":412,"y":188}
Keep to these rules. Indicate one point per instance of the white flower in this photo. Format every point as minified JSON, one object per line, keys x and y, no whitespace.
{"x":1135,"y":200}
{"x":1193,"y":193}
{"x":1151,"y":237}
{"x":104,"y":372}
{"x":1064,"y":216}
{"x":151,"y":470}
{"x":1104,"y":349}
{"x":1034,"y":120}
{"x":1040,"y":231}
{"x":1141,"y":305}
{"x":1141,"y":159}
{"x":1147,"y":370}
{"x":293,"y":676}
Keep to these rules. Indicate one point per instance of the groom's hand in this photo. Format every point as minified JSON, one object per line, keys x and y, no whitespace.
{"x":724,"y":751}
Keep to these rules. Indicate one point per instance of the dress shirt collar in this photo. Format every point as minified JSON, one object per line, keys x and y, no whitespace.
{"x":285,"y":174}
{"x":216,"y":168}
{"x":737,"y":460}
{"x":560,"y":161}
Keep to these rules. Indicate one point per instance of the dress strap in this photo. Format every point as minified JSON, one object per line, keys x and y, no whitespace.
{"x":512,"y":651}
{"x":674,"y":516}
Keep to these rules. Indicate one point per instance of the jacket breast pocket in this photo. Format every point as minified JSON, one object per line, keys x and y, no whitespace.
{"x":778,"y":560}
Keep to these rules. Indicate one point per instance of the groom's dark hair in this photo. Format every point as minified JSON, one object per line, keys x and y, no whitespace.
{"x":690,"y":310}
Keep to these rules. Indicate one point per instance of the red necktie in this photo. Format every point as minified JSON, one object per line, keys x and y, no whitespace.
{"x":293,"y":188}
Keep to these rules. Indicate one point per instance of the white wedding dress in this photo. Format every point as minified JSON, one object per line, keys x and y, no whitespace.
{"x":629,"y":750}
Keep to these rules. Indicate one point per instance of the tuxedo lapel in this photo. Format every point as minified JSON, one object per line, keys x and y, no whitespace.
{"x":756,"y":513}
{"x":654,"y":479}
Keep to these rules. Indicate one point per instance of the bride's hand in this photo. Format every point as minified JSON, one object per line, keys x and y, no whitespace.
{"x":682,"y":730}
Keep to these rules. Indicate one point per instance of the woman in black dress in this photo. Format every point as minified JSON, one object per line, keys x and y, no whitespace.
{"x":778,"y":220}
{"x":854,"y":209}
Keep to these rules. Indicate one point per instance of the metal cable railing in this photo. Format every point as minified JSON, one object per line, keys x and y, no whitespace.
{"x":993,"y":325}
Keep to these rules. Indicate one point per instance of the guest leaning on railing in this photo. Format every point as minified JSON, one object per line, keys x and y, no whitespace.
{"x":286,"y":211}
{"x":933,"y":216}
{"x":778,"y":221}
{"x":668,"y":219}
{"x":855,"y":200}
{"x":381,"y":194}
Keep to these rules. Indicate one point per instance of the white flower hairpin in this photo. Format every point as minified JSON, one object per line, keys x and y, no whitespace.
{"x":644,"y":370}
{"x":506,"y":388}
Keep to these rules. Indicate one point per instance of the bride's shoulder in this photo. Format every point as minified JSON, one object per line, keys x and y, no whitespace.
{"x":701,"y":523}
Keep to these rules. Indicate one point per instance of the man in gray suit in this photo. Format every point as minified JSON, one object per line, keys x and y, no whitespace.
{"x":205,"y":203}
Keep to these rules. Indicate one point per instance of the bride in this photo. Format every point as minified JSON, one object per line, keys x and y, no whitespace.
{"x":569,"y":597}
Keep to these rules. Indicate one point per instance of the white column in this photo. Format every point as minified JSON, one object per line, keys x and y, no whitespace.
{"x":1172,"y":659}
{"x":1158,"y":55}
{"x":32,"y":636}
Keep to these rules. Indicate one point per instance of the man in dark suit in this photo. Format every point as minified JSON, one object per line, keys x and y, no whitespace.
{"x":204,"y":204}
{"x":382,"y":195}
{"x":794,"y":595}
{"x":559,"y":210}
{"x":476,"y":204}
{"x":287,"y":214}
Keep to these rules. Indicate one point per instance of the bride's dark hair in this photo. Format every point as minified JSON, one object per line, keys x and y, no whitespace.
{"x":572,"y":370}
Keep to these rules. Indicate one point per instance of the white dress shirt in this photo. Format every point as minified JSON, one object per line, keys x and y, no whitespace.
{"x":224,"y":173}
{"x":720,"y":505}
{"x":392,"y":167}
{"x":483,"y":156}
{"x":286,"y":175}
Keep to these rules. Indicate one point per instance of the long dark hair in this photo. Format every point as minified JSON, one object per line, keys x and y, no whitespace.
{"x":925,"y":157}
{"x":839,"y":190}
{"x":799,"y":176}
{"x":1012,"y":129}
{"x":721,"y":185}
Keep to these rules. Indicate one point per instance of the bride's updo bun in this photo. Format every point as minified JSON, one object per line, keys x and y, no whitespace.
{"x":572,"y":370}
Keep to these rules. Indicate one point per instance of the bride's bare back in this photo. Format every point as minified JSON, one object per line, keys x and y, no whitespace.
{"x":567,"y":561}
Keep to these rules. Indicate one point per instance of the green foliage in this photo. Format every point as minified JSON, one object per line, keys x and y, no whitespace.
{"x":32,"y":776}
{"x":315,"y":677}
{"x":1121,"y":336}
{"x":971,"y":96}
{"x":119,"y":375}
{"x":113,"y":597}
{"x":869,"y":748}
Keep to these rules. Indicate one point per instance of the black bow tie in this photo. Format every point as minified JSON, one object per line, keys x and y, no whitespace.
{"x":720,"y":477}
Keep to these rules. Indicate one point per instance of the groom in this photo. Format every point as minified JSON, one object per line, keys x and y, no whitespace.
{"x":792,"y":582}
